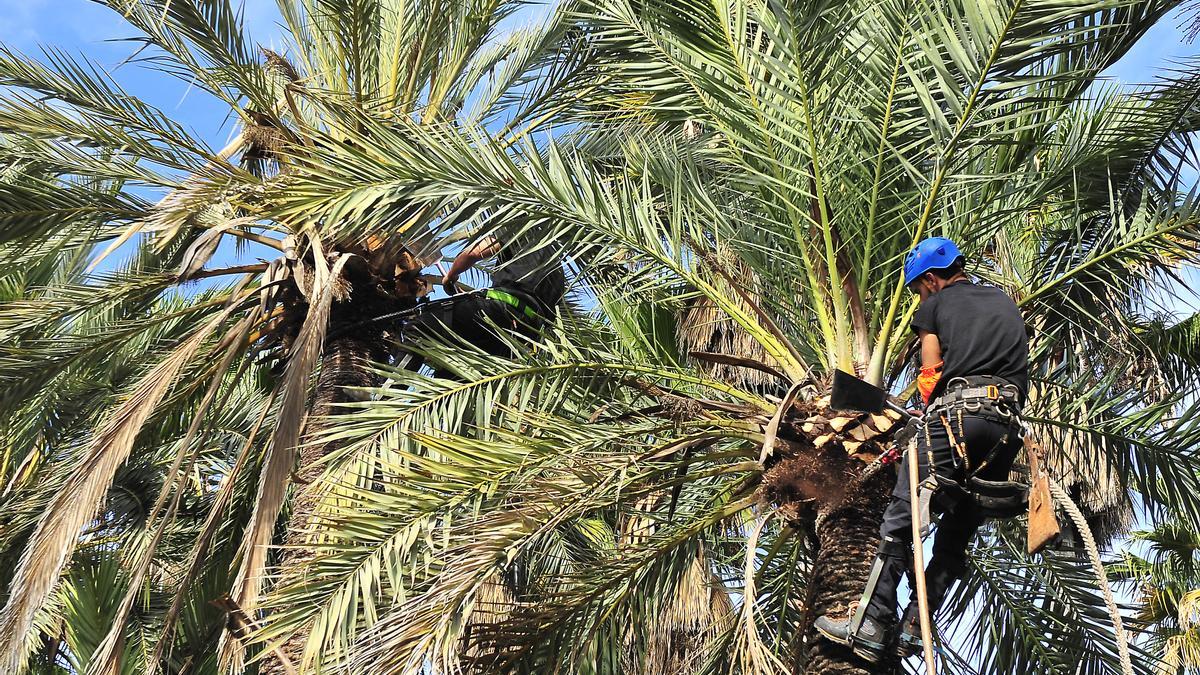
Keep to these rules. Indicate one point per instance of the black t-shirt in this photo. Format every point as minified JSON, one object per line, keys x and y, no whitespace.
{"x":531,"y":263}
{"x":981,"y":332}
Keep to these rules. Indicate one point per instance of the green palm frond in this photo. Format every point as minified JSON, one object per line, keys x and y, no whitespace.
{"x":592,"y":503}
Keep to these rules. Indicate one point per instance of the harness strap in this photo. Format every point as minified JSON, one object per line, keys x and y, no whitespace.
{"x":973,"y":390}
{"x":990,"y":391}
{"x":516,"y":303}
{"x":955,"y":444}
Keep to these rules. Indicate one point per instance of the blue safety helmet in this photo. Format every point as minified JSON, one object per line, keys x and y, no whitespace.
{"x":934,"y":253}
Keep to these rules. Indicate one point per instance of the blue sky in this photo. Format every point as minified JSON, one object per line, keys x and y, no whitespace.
{"x":84,"y":27}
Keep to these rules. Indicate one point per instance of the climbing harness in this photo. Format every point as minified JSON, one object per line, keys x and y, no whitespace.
{"x":990,"y":398}
{"x":984,"y":396}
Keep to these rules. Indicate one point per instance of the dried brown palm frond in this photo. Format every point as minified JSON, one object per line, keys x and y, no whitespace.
{"x":704,"y":327}
{"x":202,"y":249}
{"x":107,"y":658}
{"x":493,"y":604}
{"x":700,"y":609}
{"x":281,"y":454}
{"x":1087,"y":470}
{"x":82,"y":495}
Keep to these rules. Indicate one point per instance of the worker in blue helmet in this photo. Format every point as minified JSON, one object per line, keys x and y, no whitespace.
{"x":935,"y":253}
{"x":974,"y":375}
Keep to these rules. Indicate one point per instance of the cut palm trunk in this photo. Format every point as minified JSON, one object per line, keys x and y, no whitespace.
{"x":846,"y":539}
{"x":825,"y":466}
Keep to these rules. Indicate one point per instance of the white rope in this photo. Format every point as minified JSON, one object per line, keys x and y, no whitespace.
{"x":1093,"y":552}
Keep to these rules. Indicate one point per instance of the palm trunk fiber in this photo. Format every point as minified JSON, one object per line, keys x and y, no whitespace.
{"x":345,"y":364}
{"x":847,"y":540}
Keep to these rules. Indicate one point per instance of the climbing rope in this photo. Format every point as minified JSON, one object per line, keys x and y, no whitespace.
{"x":1093,"y":552}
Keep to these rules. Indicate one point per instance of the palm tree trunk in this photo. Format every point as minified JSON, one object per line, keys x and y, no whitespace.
{"x":847,"y":539}
{"x":345,"y":364}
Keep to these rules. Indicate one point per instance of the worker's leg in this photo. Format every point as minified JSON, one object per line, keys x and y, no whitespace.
{"x":866,"y":628}
{"x":949,"y":561}
{"x":897,"y":518}
{"x":960,"y":519}
{"x":947,"y":565}
{"x":893,"y":556}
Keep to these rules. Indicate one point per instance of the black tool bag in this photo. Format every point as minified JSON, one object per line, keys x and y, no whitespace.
{"x":994,"y":499}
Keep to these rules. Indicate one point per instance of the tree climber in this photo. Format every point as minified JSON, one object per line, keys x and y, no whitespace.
{"x":528,"y":284}
{"x":973,"y":381}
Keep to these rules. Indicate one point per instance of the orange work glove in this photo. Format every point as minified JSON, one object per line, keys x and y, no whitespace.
{"x":928,"y":379}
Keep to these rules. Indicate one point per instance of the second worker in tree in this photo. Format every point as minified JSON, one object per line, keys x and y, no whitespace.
{"x":528,"y":285}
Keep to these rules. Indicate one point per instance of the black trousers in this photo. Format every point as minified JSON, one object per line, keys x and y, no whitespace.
{"x":959,"y":519}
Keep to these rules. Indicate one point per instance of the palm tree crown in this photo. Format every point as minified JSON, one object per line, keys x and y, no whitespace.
{"x":734,"y":175}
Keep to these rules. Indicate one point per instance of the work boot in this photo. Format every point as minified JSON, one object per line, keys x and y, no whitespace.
{"x":908,"y":642}
{"x":868,"y":643}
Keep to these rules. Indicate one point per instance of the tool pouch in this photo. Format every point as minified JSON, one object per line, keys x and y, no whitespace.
{"x":994,"y":499}
{"x":1043,"y":523}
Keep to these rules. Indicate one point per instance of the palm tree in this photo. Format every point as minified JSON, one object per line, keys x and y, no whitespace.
{"x":835,"y":135}
{"x":113,"y":365}
{"x":1166,"y":581}
{"x":43,"y":431}
{"x":699,"y":516}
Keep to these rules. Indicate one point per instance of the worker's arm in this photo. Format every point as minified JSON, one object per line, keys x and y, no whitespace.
{"x":931,"y":349}
{"x":931,"y":364}
{"x":482,"y":249}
